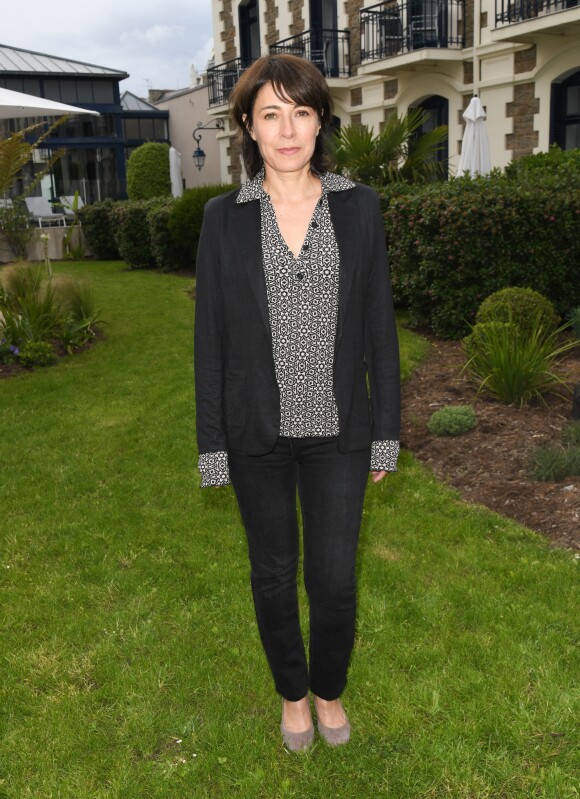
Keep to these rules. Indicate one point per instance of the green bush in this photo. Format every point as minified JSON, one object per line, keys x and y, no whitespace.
{"x":37,"y":353}
{"x":162,"y":245}
{"x":133,"y":234}
{"x":516,"y":366}
{"x":148,"y":172}
{"x":185,"y":221}
{"x":99,"y":221}
{"x":452,"y":421}
{"x":521,"y":307}
{"x":453,"y":244}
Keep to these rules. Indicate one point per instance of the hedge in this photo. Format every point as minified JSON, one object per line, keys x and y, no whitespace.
{"x":99,"y":222}
{"x":133,"y":234}
{"x":453,"y":244}
{"x":185,"y":221}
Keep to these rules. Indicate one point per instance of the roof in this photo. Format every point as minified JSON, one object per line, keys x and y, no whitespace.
{"x":28,"y":62}
{"x":130,"y":102}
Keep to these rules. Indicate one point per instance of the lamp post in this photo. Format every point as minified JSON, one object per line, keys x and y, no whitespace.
{"x":198,"y":153}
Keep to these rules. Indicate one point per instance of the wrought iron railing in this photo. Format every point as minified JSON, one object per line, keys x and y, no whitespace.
{"x":392,"y":27}
{"x":222,"y":78}
{"x":328,"y":49}
{"x":510,"y":11}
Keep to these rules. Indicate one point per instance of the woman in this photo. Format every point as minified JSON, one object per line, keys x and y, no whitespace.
{"x":294,"y":311}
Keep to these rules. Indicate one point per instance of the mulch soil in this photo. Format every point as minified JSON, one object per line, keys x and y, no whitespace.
{"x":489,"y":465}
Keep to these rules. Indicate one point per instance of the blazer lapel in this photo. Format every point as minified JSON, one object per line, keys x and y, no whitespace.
{"x":249,"y":241}
{"x":341,"y":213}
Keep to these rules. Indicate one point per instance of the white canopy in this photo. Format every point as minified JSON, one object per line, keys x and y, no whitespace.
{"x":475,"y":148}
{"x":15,"y":105}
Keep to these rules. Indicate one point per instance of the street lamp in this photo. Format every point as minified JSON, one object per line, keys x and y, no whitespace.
{"x":198,"y":153}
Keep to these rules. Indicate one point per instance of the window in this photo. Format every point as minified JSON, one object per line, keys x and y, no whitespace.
{"x":249,"y":31}
{"x":438,"y":109}
{"x":565,"y":112}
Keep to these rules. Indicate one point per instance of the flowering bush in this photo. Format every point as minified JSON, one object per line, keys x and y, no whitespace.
{"x":453,"y":244}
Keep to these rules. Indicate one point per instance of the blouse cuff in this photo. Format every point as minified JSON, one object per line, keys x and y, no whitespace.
{"x":384,"y":456}
{"x":214,"y":469}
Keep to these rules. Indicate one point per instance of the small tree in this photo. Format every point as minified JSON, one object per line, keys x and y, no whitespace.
{"x":399,"y":153}
{"x":148,"y":172}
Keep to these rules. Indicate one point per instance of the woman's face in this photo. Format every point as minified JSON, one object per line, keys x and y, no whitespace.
{"x":284,"y":132}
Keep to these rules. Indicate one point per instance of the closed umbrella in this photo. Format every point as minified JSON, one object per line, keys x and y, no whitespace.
{"x":15,"y":105}
{"x":475,"y":148}
{"x":175,"y":172}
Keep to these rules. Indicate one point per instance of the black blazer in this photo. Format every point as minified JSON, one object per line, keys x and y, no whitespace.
{"x":237,"y":396}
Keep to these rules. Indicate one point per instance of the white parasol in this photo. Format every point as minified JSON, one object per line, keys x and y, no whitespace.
{"x":475,"y":148}
{"x":15,"y":105}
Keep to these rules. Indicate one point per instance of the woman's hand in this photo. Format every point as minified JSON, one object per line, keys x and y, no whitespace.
{"x":378,"y":476}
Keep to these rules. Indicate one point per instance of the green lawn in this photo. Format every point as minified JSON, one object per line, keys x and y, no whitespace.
{"x":131,"y":666}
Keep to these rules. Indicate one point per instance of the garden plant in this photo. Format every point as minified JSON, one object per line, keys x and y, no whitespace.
{"x":453,"y":420}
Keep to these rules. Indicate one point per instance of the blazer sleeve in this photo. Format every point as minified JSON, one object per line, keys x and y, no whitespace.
{"x":381,"y":342}
{"x":209,"y":318}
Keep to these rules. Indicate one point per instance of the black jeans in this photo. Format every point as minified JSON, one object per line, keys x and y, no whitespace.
{"x":331,"y":486}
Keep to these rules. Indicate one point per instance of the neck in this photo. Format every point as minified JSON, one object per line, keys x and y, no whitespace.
{"x":290,"y":186}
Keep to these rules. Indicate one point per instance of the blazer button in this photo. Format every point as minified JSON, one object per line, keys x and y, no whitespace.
{"x":306,"y":246}
{"x":300,"y":275}
{"x":315,"y":225}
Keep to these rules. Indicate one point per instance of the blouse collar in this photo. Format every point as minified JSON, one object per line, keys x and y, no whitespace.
{"x":254,"y":189}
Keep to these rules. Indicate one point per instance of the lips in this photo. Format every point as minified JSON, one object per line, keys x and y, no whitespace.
{"x":288,"y":150}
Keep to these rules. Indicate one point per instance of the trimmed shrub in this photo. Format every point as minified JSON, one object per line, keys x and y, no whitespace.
{"x":148,"y":172}
{"x":99,"y":222}
{"x":453,"y":244}
{"x":132,"y":232}
{"x":452,"y":421}
{"x":185,"y":219}
{"x":162,"y":245}
{"x":523,"y":308}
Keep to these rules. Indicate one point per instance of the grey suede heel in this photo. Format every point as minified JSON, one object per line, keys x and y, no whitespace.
{"x":296,"y":741}
{"x":335,"y":736}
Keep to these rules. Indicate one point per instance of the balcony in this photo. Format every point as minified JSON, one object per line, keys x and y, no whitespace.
{"x":222,"y":78}
{"x":328,"y":49}
{"x":394,"y":28}
{"x":521,"y":20}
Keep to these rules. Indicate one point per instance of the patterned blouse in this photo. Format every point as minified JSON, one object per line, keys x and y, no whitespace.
{"x":303,"y":308}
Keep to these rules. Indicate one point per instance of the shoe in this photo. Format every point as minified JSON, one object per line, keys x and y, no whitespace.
{"x":296,"y":741}
{"x":335,"y":736}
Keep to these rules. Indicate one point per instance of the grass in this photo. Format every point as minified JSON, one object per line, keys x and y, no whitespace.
{"x":131,"y":666}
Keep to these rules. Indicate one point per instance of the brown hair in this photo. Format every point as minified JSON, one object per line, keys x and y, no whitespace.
{"x":291,"y":77}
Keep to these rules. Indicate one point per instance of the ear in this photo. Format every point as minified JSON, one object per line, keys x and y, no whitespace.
{"x":248,"y":126}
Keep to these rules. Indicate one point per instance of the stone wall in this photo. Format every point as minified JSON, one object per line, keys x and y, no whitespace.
{"x":228,"y":34}
{"x":297,"y":10}
{"x":235,"y":166}
{"x":524,"y":138}
{"x":272,"y":34}
{"x":525,"y":60}
{"x":353,"y":8}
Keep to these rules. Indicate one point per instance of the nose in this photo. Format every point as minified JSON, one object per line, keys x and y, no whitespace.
{"x":287,"y":128}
